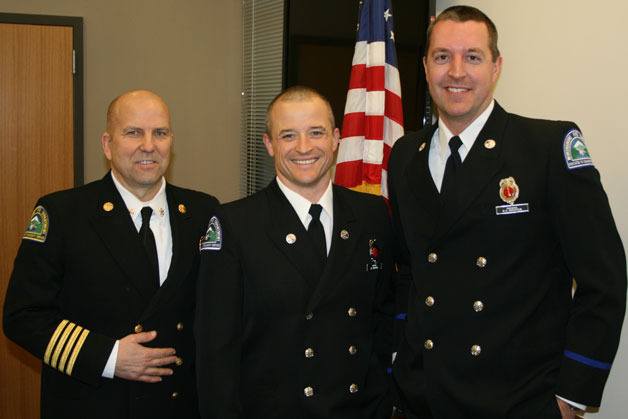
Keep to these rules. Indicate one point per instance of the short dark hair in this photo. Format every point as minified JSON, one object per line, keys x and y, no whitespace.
{"x":465,"y":14}
{"x":298,"y":93}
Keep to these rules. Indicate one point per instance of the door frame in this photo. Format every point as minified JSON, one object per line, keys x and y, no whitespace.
{"x":77,"y":80}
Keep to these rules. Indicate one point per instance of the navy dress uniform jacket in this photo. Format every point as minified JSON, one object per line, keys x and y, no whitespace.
{"x":492,"y":330}
{"x":71,"y":296}
{"x":275,"y":340}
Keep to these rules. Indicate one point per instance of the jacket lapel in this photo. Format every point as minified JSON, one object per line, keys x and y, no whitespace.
{"x":184,"y":248}
{"x":286,"y":231}
{"x":418,"y":175}
{"x":112,"y":223}
{"x":345,"y":234}
{"x":476,"y":172}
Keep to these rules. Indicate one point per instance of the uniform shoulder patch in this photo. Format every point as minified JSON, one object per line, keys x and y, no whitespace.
{"x":212,"y":240}
{"x":37,"y":229}
{"x":575,"y":152}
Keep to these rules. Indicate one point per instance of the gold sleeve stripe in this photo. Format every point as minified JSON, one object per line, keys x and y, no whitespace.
{"x":76,"y":351}
{"x":60,"y":343}
{"x":68,"y":347}
{"x":53,"y":340}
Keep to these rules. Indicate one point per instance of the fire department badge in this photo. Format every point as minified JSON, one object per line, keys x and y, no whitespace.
{"x":374,"y":262}
{"x":508,"y":190}
{"x":509,"y":193}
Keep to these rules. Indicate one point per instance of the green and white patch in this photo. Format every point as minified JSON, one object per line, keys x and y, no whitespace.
{"x":37,"y":229}
{"x":575,"y":151}
{"x":212,"y":240}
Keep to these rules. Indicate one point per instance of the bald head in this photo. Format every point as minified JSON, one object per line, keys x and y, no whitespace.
{"x":134,"y":99}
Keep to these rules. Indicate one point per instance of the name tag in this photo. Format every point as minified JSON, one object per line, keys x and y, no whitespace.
{"x":512,"y":209}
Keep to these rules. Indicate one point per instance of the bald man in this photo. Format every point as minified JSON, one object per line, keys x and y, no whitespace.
{"x":102,"y":289}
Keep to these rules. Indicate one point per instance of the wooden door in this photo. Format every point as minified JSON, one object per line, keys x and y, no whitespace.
{"x":37,"y":134}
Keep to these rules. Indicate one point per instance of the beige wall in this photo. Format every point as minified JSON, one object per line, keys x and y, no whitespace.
{"x":189,"y":52}
{"x":566,"y":59}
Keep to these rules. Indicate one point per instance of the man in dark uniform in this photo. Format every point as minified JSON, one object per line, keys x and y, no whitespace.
{"x":498,"y":214}
{"x":103,"y":284}
{"x":294,"y":311}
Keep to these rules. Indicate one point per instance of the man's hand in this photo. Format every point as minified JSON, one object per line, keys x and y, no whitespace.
{"x":567,"y":411}
{"x":139,"y":363}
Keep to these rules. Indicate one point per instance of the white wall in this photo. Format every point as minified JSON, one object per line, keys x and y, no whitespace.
{"x":568,"y":59}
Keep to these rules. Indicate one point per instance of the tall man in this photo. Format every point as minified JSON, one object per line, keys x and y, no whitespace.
{"x":497,"y":214}
{"x":294,"y":311}
{"x":103,"y":284}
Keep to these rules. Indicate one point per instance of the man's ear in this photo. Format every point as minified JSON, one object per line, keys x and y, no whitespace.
{"x":269,"y":145}
{"x":105,"y":141}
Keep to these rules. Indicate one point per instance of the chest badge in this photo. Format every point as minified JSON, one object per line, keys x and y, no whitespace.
{"x":374,"y":262}
{"x":508,"y":190}
{"x":509,"y":193}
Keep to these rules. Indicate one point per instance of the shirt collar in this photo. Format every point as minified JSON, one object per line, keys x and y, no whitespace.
{"x":468,"y":135}
{"x":159,"y":203}
{"x":301,"y":205}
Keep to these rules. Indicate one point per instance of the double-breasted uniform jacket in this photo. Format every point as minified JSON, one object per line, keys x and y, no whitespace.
{"x":492,"y":330}
{"x":275,"y":339}
{"x":71,"y":296}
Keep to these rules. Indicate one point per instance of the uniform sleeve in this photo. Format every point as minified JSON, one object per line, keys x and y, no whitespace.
{"x":595,"y":258}
{"x":33,"y":315}
{"x":218,"y":323}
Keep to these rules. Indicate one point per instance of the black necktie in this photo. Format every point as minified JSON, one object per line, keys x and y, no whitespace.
{"x":148,"y":240}
{"x":451,"y":168}
{"x":316,"y":232}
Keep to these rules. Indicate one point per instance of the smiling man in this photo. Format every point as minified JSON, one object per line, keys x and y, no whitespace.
{"x":103,"y":285}
{"x":294,"y":309}
{"x":489,"y":207}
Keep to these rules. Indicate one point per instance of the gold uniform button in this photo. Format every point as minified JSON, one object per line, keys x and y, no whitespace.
{"x":308,"y":391}
{"x":432,"y":258}
{"x":138,"y":328}
{"x":309,"y":353}
{"x":353,"y":388}
{"x":481,"y":262}
{"x":428,"y":344}
{"x":478,"y":306}
{"x":429,"y":301}
{"x":180,"y":326}
{"x":353,"y":350}
{"x":476,"y":350}
{"x":174,"y":395}
{"x":179,"y":362}
{"x":352,"y":312}
{"x":309,"y":316}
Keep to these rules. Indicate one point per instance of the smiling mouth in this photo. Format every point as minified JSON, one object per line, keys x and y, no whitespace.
{"x":146,"y":162}
{"x":305,"y":161}
{"x":457,"y":89}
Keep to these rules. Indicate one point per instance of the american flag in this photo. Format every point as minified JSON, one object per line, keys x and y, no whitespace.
{"x":373,"y":118}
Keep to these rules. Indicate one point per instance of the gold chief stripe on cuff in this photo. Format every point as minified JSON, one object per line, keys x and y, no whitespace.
{"x":60,"y":344}
{"x":68,"y":347}
{"x":53,"y":341}
{"x":63,"y":339}
{"x":76,"y":351}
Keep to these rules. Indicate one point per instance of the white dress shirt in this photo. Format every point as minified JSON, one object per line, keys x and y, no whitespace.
{"x":160,"y":225}
{"x":439,"y":146}
{"x":301,"y":206}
